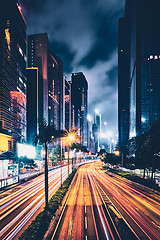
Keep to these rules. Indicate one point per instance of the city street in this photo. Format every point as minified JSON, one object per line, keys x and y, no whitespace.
{"x":79,"y":100}
{"x":98,"y":201}
{"x":20,"y":205}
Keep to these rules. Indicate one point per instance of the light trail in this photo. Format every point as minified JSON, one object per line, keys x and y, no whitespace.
{"x":34,"y":190}
{"x":107,"y":229}
{"x":136,"y":206}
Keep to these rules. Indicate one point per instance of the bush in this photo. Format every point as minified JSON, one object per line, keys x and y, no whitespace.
{"x":40,"y":224}
{"x":137,"y":179}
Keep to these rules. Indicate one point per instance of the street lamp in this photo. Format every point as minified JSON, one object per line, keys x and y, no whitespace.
{"x":70,"y":138}
{"x":117,"y":153}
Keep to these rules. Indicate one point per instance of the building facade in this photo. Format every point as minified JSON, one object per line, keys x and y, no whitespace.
{"x":38,"y":49}
{"x":51,"y":70}
{"x":123,"y":85}
{"x":67,"y":104}
{"x":12,"y":75}
{"x":79,"y":96}
{"x":34,"y":102}
{"x":142,"y":37}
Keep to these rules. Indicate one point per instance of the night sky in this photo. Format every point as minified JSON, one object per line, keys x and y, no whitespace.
{"x":84,"y":34}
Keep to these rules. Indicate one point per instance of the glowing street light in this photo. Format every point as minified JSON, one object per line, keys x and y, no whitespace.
{"x":117,"y":153}
{"x":70,"y":137}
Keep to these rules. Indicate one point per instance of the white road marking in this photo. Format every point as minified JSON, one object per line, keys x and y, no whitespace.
{"x":86,"y":222}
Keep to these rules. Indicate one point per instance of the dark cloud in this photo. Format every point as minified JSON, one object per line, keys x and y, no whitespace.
{"x":32,"y":6}
{"x":84,"y":34}
{"x":63,"y":52}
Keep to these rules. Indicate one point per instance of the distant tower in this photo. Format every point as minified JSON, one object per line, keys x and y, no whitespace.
{"x":67,"y":104}
{"x":79,"y":96}
{"x":97,"y":122}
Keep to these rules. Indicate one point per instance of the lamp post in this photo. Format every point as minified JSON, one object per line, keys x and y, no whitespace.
{"x":117,"y":153}
{"x":70,"y":138}
{"x":68,"y":159}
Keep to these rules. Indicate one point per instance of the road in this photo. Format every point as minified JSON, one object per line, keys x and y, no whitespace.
{"x":20,"y":205}
{"x":102,"y":205}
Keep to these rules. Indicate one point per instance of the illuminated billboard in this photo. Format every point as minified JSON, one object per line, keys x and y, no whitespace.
{"x":25,"y":150}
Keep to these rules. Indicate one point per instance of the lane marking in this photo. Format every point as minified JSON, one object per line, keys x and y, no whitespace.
{"x":86,"y":222}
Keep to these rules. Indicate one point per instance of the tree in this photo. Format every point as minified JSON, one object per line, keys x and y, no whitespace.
{"x":148,"y":149}
{"x":27,"y":161}
{"x":111,"y":158}
{"x":47,"y":133}
{"x":55,"y":154}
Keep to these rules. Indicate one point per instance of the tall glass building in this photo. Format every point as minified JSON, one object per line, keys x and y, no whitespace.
{"x":79,"y":98}
{"x":67,"y":100}
{"x":142,"y":35}
{"x":51,"y":69}
{"x":12,"y":75}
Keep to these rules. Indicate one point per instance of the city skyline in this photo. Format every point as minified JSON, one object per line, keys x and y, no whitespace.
{"x":72,"y":168}
{"x":86,"y":40}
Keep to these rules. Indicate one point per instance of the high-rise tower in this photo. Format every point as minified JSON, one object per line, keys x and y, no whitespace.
{"x":12,"y":75}
{"x":141,"y":37}
{"x":79,"y":96}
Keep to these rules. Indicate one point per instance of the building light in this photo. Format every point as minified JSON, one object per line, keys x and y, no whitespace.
{"x":20,"y":50}
{"x":8,"y":38}
{"x":143,"y":120}
{"x":25,"y":58}
{"x":20,"y":79}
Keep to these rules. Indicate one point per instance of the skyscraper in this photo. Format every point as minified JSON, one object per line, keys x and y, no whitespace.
{"x":12,"y":75}
{"x":51,"y":70}
{"x":34,"y":102}
{"x":142,"y":37}
{"x":79,"y":96}
{"x":123,"y":85}
{"x":67,"y":104}
{"x":97,"y":123}
{"x":56,"y":91}
{"x":38,"y":50}
{"x":95,"y":137}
